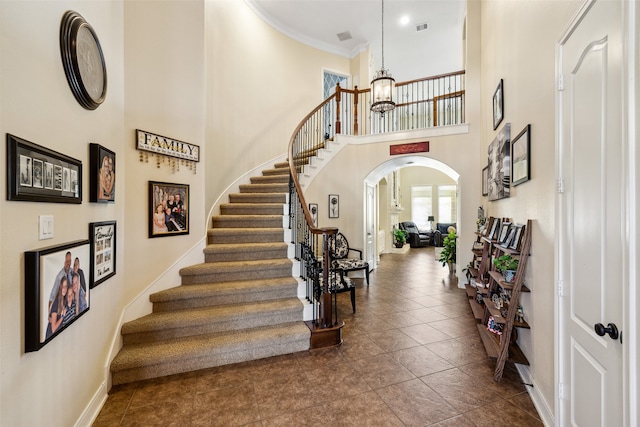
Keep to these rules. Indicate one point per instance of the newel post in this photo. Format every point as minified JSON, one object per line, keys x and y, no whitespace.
{"x":338,"y":98}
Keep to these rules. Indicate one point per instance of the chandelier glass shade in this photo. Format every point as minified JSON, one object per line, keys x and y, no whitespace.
{"x":382,"y":85}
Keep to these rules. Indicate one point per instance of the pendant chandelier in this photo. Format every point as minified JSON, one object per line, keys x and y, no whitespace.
{"x":383,"y":85}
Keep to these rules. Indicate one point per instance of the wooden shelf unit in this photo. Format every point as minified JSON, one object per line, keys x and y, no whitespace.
{"x":502,"y":347}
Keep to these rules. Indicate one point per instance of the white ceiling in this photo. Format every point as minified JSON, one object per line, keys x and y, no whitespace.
{"x":408,"y":53}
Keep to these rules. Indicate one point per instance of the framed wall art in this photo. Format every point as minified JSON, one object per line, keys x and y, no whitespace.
{"x":334,"y":206}
{"x":102,"y":174}
{"x":520,"y":163}
{"x":499,"y":153}
{"x":38,"y":174}
{"x":103,"y":251}
{"x":498,"y":105}
{"x":485,"y":181}
{"x":56,"y":292}
{"x":168,"y":209}
{"x":313,"y":210}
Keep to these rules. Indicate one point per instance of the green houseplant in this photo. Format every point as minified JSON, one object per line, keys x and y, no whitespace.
{"x":399,"y":237}
{"x":507,"y":265}
{"x":448,"y":254}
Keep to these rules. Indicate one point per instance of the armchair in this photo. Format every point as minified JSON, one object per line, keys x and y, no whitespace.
{"x":417,"y":238}
{"x":441,"y":232}
{"x":339,"y":251}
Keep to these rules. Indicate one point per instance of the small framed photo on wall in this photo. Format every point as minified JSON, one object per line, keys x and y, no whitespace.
{"x":520,"y":163}
{"x":313,"y":210}
{"x":334,"y":206}
{"x":498,"y":105}
{"x":168,"y":209}
{"x":103,"y":251}
{"x":102,"y":178}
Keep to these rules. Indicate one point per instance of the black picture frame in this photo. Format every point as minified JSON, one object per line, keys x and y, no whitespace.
{"x":494,"y":232}
{"x":518,"y":232}
{"x":103,"y":237}
{"x":313,"y":210}
{"x":485,"y":181}
{"x":498,"y":105}
{"x":38,"y":174}
{"x":505,"y":227}
{"x":102,"y":174}
{"x":44,"y":293}
{"x":177,"y":219}
{"x":520,"y":158}
{"x":334,"y":206}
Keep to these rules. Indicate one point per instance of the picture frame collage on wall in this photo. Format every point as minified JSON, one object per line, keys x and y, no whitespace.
{"x":509,"y":163}
{"x":52,"y":274}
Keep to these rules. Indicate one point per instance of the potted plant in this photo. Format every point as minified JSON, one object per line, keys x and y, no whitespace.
{"x":448,"y":254}
{"x":399,"y":237}
{"x":507,"y":265}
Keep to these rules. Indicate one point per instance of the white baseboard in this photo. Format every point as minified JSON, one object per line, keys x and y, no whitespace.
{"x":545,"y":412}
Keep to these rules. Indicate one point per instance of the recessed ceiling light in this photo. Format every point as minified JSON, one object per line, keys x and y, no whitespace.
{"x":404,"y":20}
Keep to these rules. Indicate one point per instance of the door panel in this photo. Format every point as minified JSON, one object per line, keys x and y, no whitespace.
{"x":592,"y":217}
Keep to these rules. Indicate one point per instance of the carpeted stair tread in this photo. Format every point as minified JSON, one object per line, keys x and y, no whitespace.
{"x":247,"y":221}
{"x":245,"y":251}
{"x":195,"y":317}
{"x":207,"y":267}
{"x":270,"y":179}
{"x":240,"y":235}
{"x":267,"y":197}
{"x":175,"y":352}
{"x":252,"y":209}
{"x":277,"y":171}
{"x":202,"y":291}
{"x":264,"y":188}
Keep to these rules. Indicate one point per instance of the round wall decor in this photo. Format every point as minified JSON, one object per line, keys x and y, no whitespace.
{"x":82,"y":60}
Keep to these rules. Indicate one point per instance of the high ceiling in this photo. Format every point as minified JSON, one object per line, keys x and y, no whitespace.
{"x":319,"y":22}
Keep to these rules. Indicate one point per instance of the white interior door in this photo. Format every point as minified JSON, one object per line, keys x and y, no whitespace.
{"x":592,"y":218}
{"x":371,"y":226}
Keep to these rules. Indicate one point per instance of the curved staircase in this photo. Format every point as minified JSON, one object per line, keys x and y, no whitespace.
{"x":240,"y":304}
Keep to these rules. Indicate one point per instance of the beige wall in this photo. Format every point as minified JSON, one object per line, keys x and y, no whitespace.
{"x":37,"y":104}
{"x":260,"y":85}
{"x":518,"y":46}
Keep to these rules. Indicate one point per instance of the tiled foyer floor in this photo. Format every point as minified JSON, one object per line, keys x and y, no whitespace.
{"x":411,"y":357}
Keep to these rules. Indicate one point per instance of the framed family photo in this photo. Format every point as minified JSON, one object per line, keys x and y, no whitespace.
{"x":38,"y":174}
{"x":520,"y":163}
{"x":102,"y":174}
{"x":168,"y":209}
{"x":56,"y":292}
{"x":103,"y":251}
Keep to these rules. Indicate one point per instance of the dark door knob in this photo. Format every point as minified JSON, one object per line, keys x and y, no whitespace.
{"x":611,"y":329}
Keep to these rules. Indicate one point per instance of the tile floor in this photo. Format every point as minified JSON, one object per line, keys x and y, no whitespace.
{"x":411,"y":357}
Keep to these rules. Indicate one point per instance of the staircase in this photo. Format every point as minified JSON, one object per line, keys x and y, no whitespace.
{"x":240,"y":304}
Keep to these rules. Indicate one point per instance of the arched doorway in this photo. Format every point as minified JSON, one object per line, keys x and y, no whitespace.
{"x":385,"y":216}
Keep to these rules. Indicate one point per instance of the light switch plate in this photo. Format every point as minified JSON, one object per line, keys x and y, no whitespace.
{"x":46,"y":227}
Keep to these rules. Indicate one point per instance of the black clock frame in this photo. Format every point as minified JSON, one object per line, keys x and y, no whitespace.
{"x":69,"y":26}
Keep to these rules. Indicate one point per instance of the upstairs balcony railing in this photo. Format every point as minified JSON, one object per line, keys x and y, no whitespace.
{"x":420,"y":104}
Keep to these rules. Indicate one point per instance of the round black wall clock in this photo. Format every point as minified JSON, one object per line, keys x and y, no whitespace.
{"x":82,"y":60}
